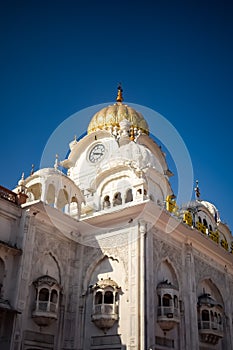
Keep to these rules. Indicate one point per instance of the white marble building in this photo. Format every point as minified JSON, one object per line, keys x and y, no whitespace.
{"x":102,"y":258}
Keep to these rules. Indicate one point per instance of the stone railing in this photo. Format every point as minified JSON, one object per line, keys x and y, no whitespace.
{"x":8,"y":195}
{"x":168,"y":311}
{"x":106,"y":309}
{"x":209,"y":325}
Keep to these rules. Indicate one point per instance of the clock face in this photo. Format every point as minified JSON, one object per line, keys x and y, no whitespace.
{"x":97,"y":153}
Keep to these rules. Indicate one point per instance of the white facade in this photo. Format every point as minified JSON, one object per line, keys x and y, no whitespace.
{"x":102,"y":258}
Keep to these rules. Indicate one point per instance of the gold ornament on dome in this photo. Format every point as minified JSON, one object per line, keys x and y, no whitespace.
{"x":119,"y":93}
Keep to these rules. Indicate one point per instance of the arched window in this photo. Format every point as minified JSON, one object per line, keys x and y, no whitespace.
{"x":117,"y":200}
{"x":129,"y":196}
{"x":106,"y":203}
{"x":62,"y":199}
{"x":210,"y":228}
{"x":44,"y":294}
{"x":43,"y":299}
{"x":167,"y":300}
{"x":35,"y":191}
{"x":159,"y":300}
{"x":108,"y":297}
{"x":74,"y":207}
{"x":53,"y":300}
{"x":50,"y":196}
{"x":205,"y":223}
{"x":53,"y":297}
{"x":98,"y":298}
{"x":205,"y":316}
{"x":199,"y":219}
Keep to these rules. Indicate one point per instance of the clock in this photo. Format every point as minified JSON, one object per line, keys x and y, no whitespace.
{"x":97,"y":153}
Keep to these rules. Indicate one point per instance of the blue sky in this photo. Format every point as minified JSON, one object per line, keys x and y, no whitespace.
{"x":175,"y":57}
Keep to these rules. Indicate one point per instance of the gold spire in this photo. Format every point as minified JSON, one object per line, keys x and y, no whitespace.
{"x":197,"y":191}
{"x":119,"y":93}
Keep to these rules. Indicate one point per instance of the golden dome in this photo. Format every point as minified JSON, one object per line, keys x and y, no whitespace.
{"x":114,"y":114}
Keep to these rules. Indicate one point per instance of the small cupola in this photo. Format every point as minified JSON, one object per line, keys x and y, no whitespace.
{"x":105,"y":303}
{"x":210,"y":319}
{"x":46,"y":306}
{"x":168,"y":314}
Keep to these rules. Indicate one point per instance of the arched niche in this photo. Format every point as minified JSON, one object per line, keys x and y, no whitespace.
{"x":210,"y":312}
{"x":50,"y":195}
{"x":74,"y":207}
{"x":129,"y":195}
{"x":34,"y":191}
{"x":62,"y":199}
{"x":167,"y":272}
{"x":105,"y":286}
{"x":117,"y":199}
{"x":168,"y":310}
{"x":48,"y":265}
{"x":208,"y":286}
{"x":105,"y":267}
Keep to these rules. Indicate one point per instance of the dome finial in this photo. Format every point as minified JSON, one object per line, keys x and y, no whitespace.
{"x":21,"y":181}
{"x":32,"y":170}
{"x":119,"y":93}
{"x":197,"y":191}
{"x":21,"y":184}
{"x":56,"y":164}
